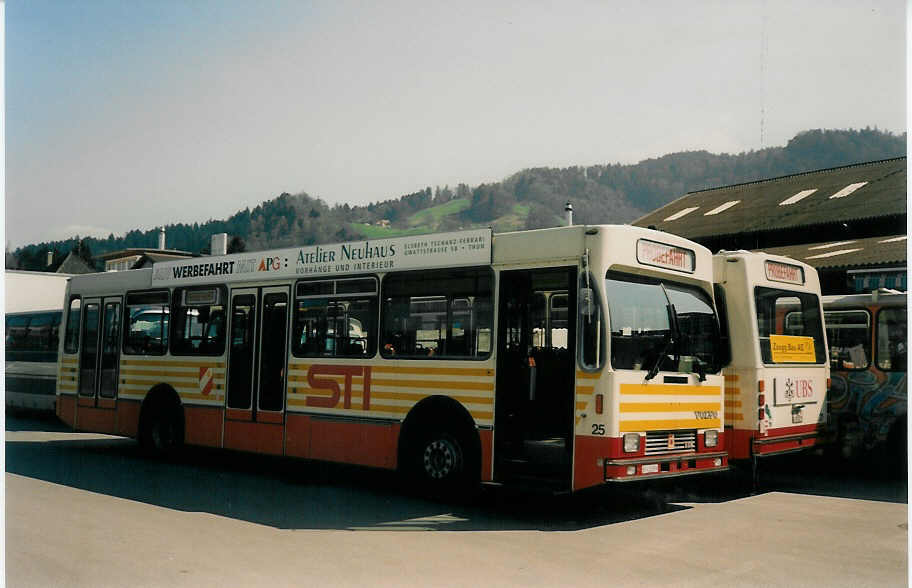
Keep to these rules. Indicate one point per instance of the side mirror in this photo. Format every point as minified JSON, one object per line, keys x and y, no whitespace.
{"x":587,"y":303}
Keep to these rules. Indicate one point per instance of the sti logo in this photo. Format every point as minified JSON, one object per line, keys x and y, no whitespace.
{"x":272,"y":264}
{"x":332,"y":386}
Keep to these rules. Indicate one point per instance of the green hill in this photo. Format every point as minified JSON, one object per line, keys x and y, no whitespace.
{"x":531,"y":198}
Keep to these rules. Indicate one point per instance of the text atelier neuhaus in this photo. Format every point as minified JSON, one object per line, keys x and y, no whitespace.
{"x":320,"y":255}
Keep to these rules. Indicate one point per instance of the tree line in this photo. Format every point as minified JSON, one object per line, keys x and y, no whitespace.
{"x":531,"y":198}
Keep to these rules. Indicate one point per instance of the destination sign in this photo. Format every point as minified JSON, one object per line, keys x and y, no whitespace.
{"x":453,"y":249}
{"x":784,"y":272}
{"x":666,"y":256}
{"x":792,"y":349}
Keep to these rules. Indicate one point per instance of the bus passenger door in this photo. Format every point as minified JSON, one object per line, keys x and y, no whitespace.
{"x":99,"y":360}
{"x":533,"y":428}
{"x":257,"y":355}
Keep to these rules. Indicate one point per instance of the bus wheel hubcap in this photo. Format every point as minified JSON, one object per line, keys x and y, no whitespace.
{"x":441,"y":458}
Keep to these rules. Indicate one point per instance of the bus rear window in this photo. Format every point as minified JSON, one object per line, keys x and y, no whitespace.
{"x":787,"y":322}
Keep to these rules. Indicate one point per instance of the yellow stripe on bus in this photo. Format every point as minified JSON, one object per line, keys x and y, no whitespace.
{"x":416,"y":396}
{"x":432,"y":371}
{"x":426,"y":371}
{"x":172,"y":363}
{"x":588,"y":376}
{"x":731,"y":377}
{"x":667,"y":406}
{"x":670,"y":389}
{"x":585,"y":389}
{"x":732,"y":404}
{"x":383,"y":408}
{"x":434,"y":384}
{"x":669,"y":424}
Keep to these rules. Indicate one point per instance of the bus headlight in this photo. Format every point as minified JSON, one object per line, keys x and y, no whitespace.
{"x":711,"y":438}
{"x":631,"y":442}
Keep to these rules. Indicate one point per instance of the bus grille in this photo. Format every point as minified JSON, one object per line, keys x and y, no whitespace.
{"x":658,"y":442}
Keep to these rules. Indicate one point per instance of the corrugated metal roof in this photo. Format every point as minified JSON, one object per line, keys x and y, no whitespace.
{"x":867,"y":190}
{"x":872,"y":251}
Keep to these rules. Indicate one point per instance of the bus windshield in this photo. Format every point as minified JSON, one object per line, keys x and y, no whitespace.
{"x":789,"y":314}
{"x":658,"y":325}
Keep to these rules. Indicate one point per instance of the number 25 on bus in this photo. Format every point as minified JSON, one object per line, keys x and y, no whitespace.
{"x":566,"y":357}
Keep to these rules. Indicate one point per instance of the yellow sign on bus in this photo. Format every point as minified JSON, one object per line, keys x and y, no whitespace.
{"x":792,"y":349}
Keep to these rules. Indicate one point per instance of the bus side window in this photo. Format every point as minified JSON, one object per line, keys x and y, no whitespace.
{"x":146,"y":319}
{"x":724,"y":335}
{"x":592,"y":329}
{"x":71,"y":336}
{"x":437,"y":313}
{"x":198,"y":321}
{"x":849,"y":338}
{"x":892,"y":342}
{"x":335,"y":318}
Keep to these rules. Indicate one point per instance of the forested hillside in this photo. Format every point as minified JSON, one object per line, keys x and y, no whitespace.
{"x":532,"y":198}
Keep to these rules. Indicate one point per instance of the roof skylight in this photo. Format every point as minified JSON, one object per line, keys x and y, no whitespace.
{"x":848,"y":190}
{"x":721,"y":208}
{"x":828,"y":245}
{"x":681,"y":213}
{"x":834,"y":253}
{"x":797,"y":197}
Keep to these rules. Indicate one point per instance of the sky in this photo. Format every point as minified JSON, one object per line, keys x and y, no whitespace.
{"x":131,"y":115}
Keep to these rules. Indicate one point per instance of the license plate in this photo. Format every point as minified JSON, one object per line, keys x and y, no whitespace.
{"x":796,"y":417}
{"x":651,"y":468}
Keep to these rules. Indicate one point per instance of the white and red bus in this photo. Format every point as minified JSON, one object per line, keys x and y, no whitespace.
{"x":777,"y":373}
{"x":460,"y":356}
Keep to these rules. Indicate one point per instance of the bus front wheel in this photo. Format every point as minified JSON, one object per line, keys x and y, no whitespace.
{"x":442,"y":457}
{"x":441,"y":462}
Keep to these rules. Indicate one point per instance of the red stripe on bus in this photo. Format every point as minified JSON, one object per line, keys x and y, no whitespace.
{"x":254,"y":437}
{"x":66,"y":409}
{"x":297,"y":435}
{"x":370,"y":444}
{"x":741,"y":441}
{"x":203,"y":425}
{"x":128,"y":417}
{"x":487,"y":455}
{"x":589,"y":450}
{"x":96,"y":420}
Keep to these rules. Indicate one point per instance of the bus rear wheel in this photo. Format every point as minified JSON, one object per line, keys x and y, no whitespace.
{"x":162,"y":430}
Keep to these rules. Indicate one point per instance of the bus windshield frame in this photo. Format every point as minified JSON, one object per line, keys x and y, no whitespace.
{"x":661,"y":325}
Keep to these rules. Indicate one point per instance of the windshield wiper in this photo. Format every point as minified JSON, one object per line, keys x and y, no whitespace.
{"x":654,"y":370}
{"x":672,"y":337}
{"x":699,"y":368}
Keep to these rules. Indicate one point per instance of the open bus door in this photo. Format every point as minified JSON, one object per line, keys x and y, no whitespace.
{"x":257,"y":356}
{"x":535,"y":376}
{"x":99,"y":359}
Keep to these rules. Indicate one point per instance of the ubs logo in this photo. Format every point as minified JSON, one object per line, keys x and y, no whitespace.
{"x":798,"y":389}
{"x":789,"y":389}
